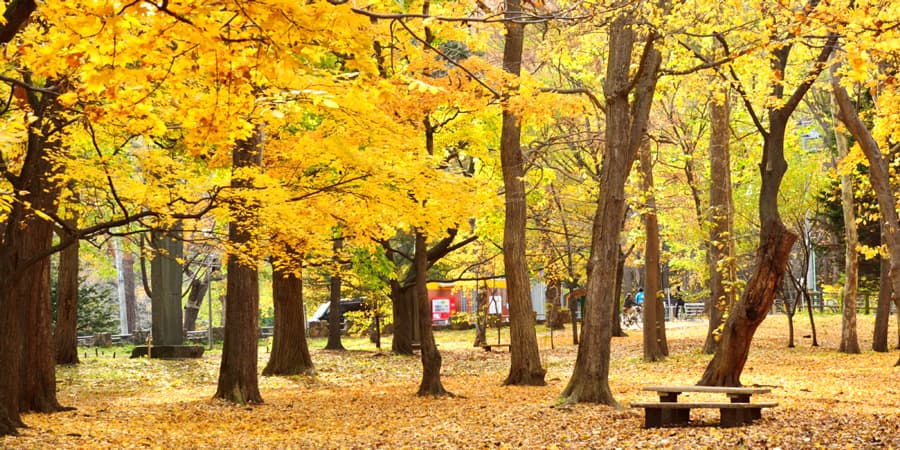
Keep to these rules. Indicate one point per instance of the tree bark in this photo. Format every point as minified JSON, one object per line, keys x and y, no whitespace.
{"x":849,"y":338}
{"x":431,"y":357}
{"x":720,"y":250}
{"x":525,"y":359}
{"x":32,"y":181}
{"x":130,"y":301}
{"x":27,"y":356}
{"x":879,"y":176}
{"x":775,"y":240}
{"x":771,"y":260}
{"x":617,"y":310}
{"x":552,"y":296}
{"x":625,"y":128}
{"x":481,"y":316}
{"x":655,"y":346}
{"x":65,"y":334}
{"x":334,"y":299}
{"x":238,"y":380}
{"x":883,"y":312}
{"x":290,"y":351}
{"x":402,"y":301}
{"x":199,"y":286}
{"x":166,"y":275}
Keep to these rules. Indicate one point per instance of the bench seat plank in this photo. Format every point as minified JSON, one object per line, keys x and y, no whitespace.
{"x":709,"y":389}
{"x":691,"y":405}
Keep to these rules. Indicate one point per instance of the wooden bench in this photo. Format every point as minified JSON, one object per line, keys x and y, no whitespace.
{"x":738,"y":411}
{"x":487,"y":347}
{"x":692,"y":310}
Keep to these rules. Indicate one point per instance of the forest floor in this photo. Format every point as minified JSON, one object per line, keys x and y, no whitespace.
{"x":362,"y":398}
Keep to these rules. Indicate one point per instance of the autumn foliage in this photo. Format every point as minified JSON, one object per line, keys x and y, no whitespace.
{"x":366,"y":399}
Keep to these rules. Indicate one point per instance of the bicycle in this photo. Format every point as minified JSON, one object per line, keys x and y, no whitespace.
{"x":632,"y":317}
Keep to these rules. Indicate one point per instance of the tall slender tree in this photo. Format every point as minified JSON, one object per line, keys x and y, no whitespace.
{"x":525,"y":359}
{"x":720,"y":252}
{"x":655,"y":346}
{"x":628,"y":101}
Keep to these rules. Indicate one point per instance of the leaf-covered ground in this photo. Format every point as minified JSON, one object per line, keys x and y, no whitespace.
{"x":365,"y":399}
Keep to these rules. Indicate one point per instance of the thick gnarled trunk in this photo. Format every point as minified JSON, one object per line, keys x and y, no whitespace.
{"x":746,"y":316}
{"x":772,"y":256}
{"x":166,"y":275}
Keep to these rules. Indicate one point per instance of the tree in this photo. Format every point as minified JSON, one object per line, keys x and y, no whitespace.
{"x":879,"y":175}
{"x":334,"y":299}
{"x":525,"y":359}
{"x":65,"y":333}
{"x":27,"y":362}
{"x":849,"y":340}
{"x":431,"y":357}
{"x":627,"y":101}
{"x":720,"y":252}
{"x":775,"y":240}
{"x":166,"y":275}
{"x":655,"y":346}
{"x":290,"y":351}
{"x":238,"y":382}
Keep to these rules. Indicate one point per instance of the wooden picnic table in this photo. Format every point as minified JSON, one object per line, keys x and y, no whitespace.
{"x":668,"y":411}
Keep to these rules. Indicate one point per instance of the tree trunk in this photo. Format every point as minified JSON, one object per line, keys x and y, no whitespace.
{"x":655,"y":346}
{"x":625,"y":128}
{"x":290,"y":352}
{"x":33,"y":178}
{"x":775,"y":240}
{"x":31,"y":288}
{"x":431,"y":357}
{"x":771,"y":260}
{"x":65,"y":335}
{"x":849,"y":339}
{"x":238,"y":380}
{"x":883,"y":312}
{"x":481,"y":316}
{"x":552,"y":296}
{"x":879,"y":176}
{"x":790,"y":317}
{"x":812,"y":319}
{"x":334,"y":299}
{"x":525,"y":359}
{"x":402,"y":301}
{"x":199,"y":286}
{"x":166,"y":275}
{"x":617,"y":310}
{"x":130,"y":300}
{"x":721,"y":217}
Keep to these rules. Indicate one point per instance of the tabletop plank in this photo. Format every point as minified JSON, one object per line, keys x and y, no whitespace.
{"x":710,"y":389}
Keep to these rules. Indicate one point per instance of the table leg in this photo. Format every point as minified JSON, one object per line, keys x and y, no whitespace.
{"x":730,"y":417}
{"x":653,"y":417}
